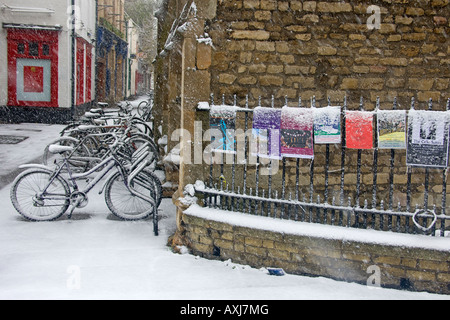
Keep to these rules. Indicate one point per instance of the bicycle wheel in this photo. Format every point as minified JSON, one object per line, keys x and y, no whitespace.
{"x":141,"y":126}
{"x":143,"y":108}
{"x":28,"y":199}
{"x":133,"y":143}
{"x":127,"y":206}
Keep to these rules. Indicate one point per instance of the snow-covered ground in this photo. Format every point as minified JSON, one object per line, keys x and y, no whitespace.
{"x":30,"y":150}
{"x":95,"y":256}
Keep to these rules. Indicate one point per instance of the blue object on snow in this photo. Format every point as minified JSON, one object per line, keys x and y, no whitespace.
{"x":276,"y":272}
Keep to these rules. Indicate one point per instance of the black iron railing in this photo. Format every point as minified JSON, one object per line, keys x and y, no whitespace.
{"x":232,"y":187}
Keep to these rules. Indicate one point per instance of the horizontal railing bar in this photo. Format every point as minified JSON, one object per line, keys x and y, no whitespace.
{"x":238,"y":109}
{"x":318,"y":205}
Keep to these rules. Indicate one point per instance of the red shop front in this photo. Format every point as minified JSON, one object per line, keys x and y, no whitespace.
{"x":32,"y":67}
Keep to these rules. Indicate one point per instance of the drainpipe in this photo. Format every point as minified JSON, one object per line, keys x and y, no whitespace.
{"x":125,"y":65}
{"x":73,"y":62}
{"x":96,"y":52}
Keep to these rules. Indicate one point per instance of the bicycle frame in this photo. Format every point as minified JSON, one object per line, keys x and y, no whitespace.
{"x":108,"y":164}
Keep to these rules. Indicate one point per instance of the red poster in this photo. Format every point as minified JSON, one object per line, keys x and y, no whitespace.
{"x":359,"y":129}
{"x":33,"y":79}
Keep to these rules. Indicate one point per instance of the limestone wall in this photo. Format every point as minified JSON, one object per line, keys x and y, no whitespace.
{"x":307,"y":48}
{"x":400,"y":267}
{"x":326,"y":49}
{"x":303,"y":49}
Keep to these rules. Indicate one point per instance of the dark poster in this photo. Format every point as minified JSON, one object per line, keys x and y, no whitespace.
{"x":427,"y":139}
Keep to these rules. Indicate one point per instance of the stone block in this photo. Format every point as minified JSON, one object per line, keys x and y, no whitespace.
{"x":250,"y":35}
{"x":309,"y":6}
{"x":403,"y":62}
{"x":415,"y":11}
{"x":252,"y":4}
{"x":269,"y":4}
{"x":296,"y":5}
{"x":227,"y":78}
{"x":203,"y":56}
{"x":247,"y":80}
{"x":263,"y":15}
{"x":334,"y":7}
{"x":420,"y":84}
{"x":265,"y":46}
{"x":268,"y":80}
{"x":349,"y":84}
{"x":326,"y":51}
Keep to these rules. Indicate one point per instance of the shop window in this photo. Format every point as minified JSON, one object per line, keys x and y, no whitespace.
{"x":33,"y":49}
{"x":21,"y":48}
{"x":45,"y":49}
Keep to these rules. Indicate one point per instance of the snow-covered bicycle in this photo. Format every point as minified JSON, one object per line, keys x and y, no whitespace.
{"x":90,"y":148}
{"x":43,"y":193}
{"x":145,"y":107}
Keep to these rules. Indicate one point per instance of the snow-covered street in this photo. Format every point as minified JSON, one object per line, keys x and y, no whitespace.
{"x":96,"y":256}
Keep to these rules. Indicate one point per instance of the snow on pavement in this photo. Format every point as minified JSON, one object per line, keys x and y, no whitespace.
{"x":38,"y":136}
{"x":95,"y":256}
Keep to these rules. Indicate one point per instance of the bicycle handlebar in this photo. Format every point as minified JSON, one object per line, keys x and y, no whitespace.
{"x":118,"y":139}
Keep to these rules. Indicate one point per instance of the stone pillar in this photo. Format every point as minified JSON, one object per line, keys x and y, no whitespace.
{"x":195,"y":87}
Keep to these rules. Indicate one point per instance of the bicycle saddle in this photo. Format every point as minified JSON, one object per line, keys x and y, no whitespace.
{"x":55,"y":148}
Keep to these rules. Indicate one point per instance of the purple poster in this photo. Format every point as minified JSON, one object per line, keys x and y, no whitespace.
{"x":266,"y":132}
{"x":297,"y":140}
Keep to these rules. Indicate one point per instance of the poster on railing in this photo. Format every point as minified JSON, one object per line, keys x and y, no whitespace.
{"x":266,"y":133}
{"x":327,"y":125}
{"x":391,"y":126}
{"x":223,"y":124}
{"x":428,"y":139}
{"x":297,"y":139}
{"x":359,"y":129}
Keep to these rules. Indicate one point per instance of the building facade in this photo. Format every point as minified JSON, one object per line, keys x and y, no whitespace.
{"x":112,"y":51}
{"x":137,"y":81}
{"x":47,"y":59}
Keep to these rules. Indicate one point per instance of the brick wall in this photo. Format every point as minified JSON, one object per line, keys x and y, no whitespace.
{"x":306,"y":48}
{"x":400,"y":267}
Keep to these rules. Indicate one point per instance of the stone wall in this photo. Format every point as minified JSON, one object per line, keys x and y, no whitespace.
{"x":325,"y":49}
{"x":265,"y":48}
{"x":400,"y":267}
{"x":306,"y":48}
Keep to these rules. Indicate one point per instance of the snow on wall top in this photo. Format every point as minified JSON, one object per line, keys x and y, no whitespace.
{"x":319,"y":230}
